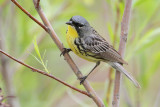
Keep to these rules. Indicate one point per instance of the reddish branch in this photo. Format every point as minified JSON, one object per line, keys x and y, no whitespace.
{"x":44,"y":73}
{"x":122,"y":47}
{"x":48,"y":28}
{"x":28,"y":14}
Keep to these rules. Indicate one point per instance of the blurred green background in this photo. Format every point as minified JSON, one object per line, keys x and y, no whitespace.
{"x":18,"y":32}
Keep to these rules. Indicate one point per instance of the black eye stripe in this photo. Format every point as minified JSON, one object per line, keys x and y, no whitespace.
{"x":80,"y":25}
{"x":77,"y":24}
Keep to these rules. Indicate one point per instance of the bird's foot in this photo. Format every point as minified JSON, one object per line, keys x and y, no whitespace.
{"x":82,"y":79}
{"x":65,"y":50}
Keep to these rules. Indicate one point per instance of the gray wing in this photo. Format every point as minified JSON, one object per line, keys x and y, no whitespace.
{"x":98,"y":45}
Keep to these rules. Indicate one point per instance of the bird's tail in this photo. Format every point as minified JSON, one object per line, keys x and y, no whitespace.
{"x":120,"y":68}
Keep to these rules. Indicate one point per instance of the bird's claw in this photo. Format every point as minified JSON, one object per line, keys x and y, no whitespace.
{"x":65,"y":50}
{"x":82,"y":79}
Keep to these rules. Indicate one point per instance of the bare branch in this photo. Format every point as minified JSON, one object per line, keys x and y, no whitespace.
{"x":122,"y":46}
{"x":44,"y":73}
{"x":28,"y":14}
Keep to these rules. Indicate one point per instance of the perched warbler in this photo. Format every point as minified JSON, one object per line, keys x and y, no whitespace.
{"x":85,"y":42}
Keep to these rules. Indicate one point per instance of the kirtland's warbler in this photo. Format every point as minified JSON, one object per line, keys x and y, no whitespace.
{"x":85,"y":42}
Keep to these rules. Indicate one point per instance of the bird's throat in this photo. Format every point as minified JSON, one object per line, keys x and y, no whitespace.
{"x":72,"y":31}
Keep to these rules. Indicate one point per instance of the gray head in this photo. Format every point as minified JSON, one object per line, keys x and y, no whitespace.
{"x":80,"y":24}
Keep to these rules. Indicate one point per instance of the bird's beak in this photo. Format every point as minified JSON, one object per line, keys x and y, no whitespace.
{"x":69,"y":23}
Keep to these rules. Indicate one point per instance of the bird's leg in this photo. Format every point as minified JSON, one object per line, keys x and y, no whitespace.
{"x":83,"y":78}
{"x":65,"y":50}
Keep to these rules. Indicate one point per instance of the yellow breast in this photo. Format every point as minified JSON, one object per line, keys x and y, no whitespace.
{"x":71,"y":36}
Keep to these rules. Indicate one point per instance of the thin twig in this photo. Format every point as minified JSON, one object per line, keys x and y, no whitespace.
{"x":122,"y":46}
{"x":59,"y":44}
{"x":28,"y":14}
{"x":43,"y":73}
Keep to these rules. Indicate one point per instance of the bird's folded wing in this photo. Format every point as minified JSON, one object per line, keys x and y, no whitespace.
{"x":98,"y":45}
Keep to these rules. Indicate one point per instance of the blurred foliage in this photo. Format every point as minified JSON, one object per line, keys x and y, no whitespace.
{"x":35,"y":90}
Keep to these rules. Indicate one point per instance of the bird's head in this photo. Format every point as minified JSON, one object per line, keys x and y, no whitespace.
{"x":80,"y":24}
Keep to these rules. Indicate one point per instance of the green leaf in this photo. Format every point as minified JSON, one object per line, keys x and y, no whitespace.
{"x":39,"y":55}
{"x":37,"y":49}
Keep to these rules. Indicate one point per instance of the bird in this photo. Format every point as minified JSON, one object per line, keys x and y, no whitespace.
{"x":88,"y":44}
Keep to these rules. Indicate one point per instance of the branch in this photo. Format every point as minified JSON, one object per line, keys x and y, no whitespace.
{"x":108,"y":95}
{"x":28,"y":14}
{"x":43,"y":73}
{"x":122,"y":46}
{"x":48,"y":28}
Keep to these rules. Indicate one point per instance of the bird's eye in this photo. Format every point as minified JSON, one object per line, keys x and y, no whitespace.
{"x":80,"y":26}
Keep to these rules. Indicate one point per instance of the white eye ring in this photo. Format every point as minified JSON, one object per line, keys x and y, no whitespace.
{"x":79,"y":27}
